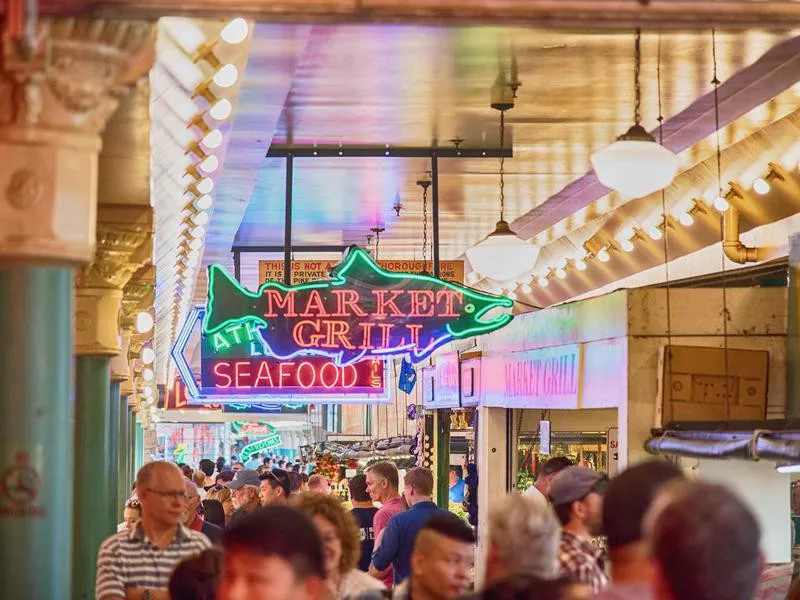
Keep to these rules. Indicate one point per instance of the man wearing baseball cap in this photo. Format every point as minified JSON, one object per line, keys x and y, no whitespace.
{"x":245,"y":493}
{"x":577,"y":497}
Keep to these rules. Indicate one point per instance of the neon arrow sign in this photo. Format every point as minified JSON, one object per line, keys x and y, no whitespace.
{"x":361,"y":311}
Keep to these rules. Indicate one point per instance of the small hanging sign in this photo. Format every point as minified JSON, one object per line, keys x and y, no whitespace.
{"x":408,"y":377}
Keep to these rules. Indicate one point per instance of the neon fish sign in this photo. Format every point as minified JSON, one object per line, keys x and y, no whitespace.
{"x":361,"y":311}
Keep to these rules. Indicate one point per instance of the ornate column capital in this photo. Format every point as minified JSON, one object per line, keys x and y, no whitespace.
{"x":53,"y":108}
{"x":123,"y":246}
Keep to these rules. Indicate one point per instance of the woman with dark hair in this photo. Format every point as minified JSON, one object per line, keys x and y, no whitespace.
{"x":214,"y":513}
{"x":196,"y":578}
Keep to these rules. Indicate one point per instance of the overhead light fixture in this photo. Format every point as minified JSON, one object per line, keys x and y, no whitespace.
{"x":543,"y":282}
{"x":148,"y":355}
{"x":235,"y":32}
{"x":721,"y":204}
{"x":144,"y":322}
{"x":580,"y":264}
{"x":213,"y":139}
{"x":203,"y":202}
{"x":686,"y":219}
{"x":196,"y":244}
{"x":561,"y":273}
{"x":785,"y":468}
{"x":147,"y":374}
{"x":210,"y":164}
{"x":761,"y":186}
{"x":187,"y":35}
{"x":655,"y":232}
{"x":200,"y":218}
{"x":626,"y":245}
{"x":525,"y":288}
{"x":603,"y":255}
{"x":226,"y":76}
{"x":221,"y":109}
{"x":205,"y":186}
{"x":635,"y":165}
{"x":502,"y":255}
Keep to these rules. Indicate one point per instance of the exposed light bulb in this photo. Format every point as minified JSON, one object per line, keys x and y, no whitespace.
{"x":195,"y":244}
{"x":203,"y":202}
{"x":561,"y":273}
{"x":148,"y":355}
{"x":144,"y":322}
{"x":655,"y":232}
{"x":206,"y":185}
{"x":226,"y":76}
{"x":761,"y":186}
{"x":544,"y":282}
{"x":221,"y":110}
{"x":198,"y":231}
{"x":210,"y":164}
{"x":200,"y":218}
{"x":525,"y":288}
{"x":626,"y":245}
{"x":148,"y":391}
{"x":721,"y":204}
{"x":686,"y":219}
{"x":579,"y":264}
{"x":235,"y":32}
{"x":213,"y":139}
{"x":603,"y":255}
{"x":192,"y":260}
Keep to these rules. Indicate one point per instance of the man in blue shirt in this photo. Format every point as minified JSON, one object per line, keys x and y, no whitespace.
{"x":457,"y":484}
{"x":396,"y":543}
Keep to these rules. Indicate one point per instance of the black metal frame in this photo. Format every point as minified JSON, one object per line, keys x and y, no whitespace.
{"x":291,"y":151}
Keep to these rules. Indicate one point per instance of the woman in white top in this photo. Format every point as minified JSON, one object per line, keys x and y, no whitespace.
{"x":341,"y":545}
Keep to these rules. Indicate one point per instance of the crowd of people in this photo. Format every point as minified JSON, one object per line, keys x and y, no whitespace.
{"x":266,"y":534}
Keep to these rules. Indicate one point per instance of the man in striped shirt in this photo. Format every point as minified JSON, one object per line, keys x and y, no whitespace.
{"x":136,"y":565}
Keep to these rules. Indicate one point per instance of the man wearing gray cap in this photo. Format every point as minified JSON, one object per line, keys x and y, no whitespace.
{"x":577,"y":497}
{"x":245,"y":488}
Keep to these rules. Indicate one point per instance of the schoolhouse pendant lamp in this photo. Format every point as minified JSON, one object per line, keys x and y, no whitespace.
{"x":503,"y":255}
{"x":635,"y":165}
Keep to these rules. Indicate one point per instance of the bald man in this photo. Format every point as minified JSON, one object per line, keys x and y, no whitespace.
{"x":442,"y":560}
{"x":137,"y":564}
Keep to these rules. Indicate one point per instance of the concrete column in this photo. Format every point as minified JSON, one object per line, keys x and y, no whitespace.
{"x":57,"y":97}
{"x":491,"y":451}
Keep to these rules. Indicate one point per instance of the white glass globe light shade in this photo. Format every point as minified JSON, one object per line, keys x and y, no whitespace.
{"x":502,"y":255}
{"x":226,"y":76}
{"x":655,"y":232}
{"x":603,"y":255}
{"x":209,"y":164}
{"x":761,"y":186}
{"x":148,"y":355}
{"x":221,"y":110}
{"x":686,"y":219}
{"x":213,"y":139}
{"x":626,"y":245}
{"x":635,"y":165}
{"x":544,"y":282}
{"x":203,"y":202}
{"x":580,"y":265}
{"x":235,"y":32}
{"x":206,"y":185}
{"x":200,"y":218}
{"x":721,"y":204}
{"x":144,"y":322}
{"x":561,"y":273}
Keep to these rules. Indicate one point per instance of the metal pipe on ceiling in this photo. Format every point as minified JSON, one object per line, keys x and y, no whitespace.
{"x":746,"y":445}
{"x":287,"y":225}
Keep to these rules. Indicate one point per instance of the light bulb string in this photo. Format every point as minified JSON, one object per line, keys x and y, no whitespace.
{"x":725,"y":315}
{"x":502,"y":165}
{"x":637,"y":69}
{"x":664,"y":198}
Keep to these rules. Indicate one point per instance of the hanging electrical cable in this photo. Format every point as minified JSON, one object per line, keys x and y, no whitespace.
{"x":725,"y":314}
{"x":424,"y":183}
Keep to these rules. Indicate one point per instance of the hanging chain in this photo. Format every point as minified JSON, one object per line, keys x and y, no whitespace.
{"x":637,"y":69}
{"x":725,"y":314}
{"x":664,"y":209}
{"x":502,"y":165}
{"x":425,"y":226}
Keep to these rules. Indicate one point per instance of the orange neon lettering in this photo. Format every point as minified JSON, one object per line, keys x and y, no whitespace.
{"x":335,"y":375}
{"x":366,"y":342}
{"x":307,"y":341}
{"x":237,"y":374}
{"x":281,"y":373}
{"x":338,"y":330}
{"x":222,"y":374}
{"x":352,"y":371}
{"x":314,"y":306}
{"x":414,"y":332}
{"x":450,"y":297}
{"x":263,"y":373}
{"x":347,"y":299}
{"x":386,"y":330}
{"x":283,"y":302}
{"x":384,"y":303}
{"x":310,"y":382}
{"x":422,"y":303}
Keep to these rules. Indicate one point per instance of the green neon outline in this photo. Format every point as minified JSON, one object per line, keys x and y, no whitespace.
{"x":469,"y":308}
{"x":338,"y":274}
{"x":273,"y":440}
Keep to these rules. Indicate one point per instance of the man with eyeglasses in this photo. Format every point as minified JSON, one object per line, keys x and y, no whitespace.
{"x":577,"y":497}
{"x":275,"y":488}
{"x":137,"y":564}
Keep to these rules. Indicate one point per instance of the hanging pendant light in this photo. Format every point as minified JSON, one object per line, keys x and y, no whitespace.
{"x":635,"y":165}
{"x":503,"y":255}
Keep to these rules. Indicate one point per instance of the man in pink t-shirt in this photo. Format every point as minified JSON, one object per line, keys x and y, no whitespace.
{"x":383,"y":483}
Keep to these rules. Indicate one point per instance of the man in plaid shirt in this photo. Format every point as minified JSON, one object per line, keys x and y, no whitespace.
{"x":577,"y":497}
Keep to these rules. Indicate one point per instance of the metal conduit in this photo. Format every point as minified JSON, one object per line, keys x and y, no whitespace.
{"x":746,"y":445}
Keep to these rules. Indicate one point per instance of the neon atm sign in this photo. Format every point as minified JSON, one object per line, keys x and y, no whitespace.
{"x":362,"y":311}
